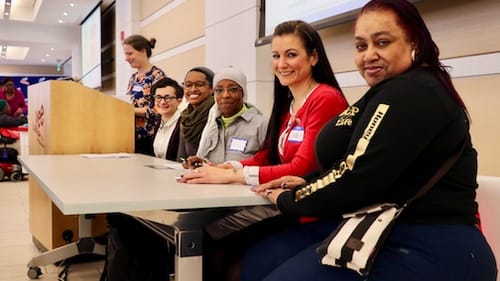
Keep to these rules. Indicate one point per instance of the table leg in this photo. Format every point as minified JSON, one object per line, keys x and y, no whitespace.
{"x":188,"y":268}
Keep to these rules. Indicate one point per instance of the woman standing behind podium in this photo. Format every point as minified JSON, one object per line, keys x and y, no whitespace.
{"x":137,"y":50}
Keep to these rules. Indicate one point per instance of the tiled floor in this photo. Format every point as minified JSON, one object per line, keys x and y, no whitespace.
{"x":16,"y":247}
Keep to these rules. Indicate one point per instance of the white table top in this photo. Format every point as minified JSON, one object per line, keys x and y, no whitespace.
{"x":79,"y":185}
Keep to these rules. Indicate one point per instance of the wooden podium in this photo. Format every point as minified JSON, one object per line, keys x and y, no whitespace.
{"x":66,"y":117}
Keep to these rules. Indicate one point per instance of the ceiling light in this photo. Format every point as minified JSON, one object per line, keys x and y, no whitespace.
{"x":14,"y":52}
{"x":60,"y":21}
{"x":6,"y":10}
{"x":65,"y":14}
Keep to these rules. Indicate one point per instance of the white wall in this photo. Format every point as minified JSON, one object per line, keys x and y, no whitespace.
{"x":230,"y":40}
{"x":127,"y":23}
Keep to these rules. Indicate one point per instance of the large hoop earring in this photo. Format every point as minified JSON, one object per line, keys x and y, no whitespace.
{"x":413,"y":55}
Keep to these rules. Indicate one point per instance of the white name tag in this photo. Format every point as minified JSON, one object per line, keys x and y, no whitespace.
{"x":238,"y":144}
{"x":137,"y":88}
{"x":297,"y":134}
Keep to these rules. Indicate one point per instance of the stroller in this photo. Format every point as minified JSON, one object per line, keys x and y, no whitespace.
{"x":10,"y":167}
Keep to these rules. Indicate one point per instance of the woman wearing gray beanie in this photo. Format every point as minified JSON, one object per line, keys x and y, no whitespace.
{"x":235,"y":129}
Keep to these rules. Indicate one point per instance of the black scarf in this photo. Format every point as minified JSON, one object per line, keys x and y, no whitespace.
{"x":193,"y":120}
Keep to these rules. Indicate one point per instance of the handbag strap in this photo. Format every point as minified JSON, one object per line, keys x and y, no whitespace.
{"x":439,"y":174}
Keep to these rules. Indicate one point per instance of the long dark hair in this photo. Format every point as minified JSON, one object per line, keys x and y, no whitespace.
{"x":139,"y":42}
{"x":427,"y":52}
{"x":322,"y":72}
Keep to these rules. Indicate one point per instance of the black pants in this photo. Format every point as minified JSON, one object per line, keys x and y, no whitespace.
{"x":134,"y":252}
{"x":144,"y":145}
{"x":221,"y":258}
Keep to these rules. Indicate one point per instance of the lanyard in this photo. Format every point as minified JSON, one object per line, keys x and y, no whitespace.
{"x":284,"y":135}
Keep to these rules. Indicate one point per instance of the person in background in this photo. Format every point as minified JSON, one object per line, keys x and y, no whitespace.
{"x":167,"y":94}
{"x":390,"y":142}
{"x":6,"y":120}
{"x":306,"y":96}
{"x":198,"y":85}
{"x":137,"y":50}
{"x":14,"y":97}
{"x":237,"y":129}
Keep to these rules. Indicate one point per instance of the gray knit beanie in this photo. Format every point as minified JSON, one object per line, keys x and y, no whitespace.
{"x":233,"y":74}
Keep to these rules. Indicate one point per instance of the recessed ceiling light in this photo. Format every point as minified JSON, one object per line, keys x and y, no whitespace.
{"x":60,"y":21}
{"x":43,"y":60}
{"x":7,"y":3}
{"x":47,"y":55}
{"x":6,"y":13}
{"x":65,"y":14}
{"x":52,"y":49}
{"x":72,"y":4}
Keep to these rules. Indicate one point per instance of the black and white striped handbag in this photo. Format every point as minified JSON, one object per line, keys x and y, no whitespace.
{"x":356,"y":241}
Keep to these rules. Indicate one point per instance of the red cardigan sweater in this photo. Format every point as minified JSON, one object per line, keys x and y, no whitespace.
{"x":298,"y":159}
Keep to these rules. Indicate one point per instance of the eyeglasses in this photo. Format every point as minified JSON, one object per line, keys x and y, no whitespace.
{"x":231,"y":90}
{"x":166,"y":98}
{"x":197,"y":84}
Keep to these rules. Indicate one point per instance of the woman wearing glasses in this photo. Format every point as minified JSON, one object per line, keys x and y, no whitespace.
{"x":198,"y":93}
{"x":137,"y":50}
{"x":167,"y":95}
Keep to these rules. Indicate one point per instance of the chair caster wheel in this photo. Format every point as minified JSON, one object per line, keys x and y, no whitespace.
{"x":34,"y":272}
{"x":16,"y":176}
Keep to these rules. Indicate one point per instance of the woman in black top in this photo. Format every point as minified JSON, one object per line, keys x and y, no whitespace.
{"x":387,"y":146}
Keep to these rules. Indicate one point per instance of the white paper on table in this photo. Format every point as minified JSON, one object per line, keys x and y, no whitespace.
{"x":173,"y":166}
{"x":107,"y":155}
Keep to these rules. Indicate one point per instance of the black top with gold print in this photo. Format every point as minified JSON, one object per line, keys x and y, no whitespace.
{"x":385,"y":147}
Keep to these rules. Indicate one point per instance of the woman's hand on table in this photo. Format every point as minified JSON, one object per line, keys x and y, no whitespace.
{"x":274,"y":188}
{"x":212,"y":174}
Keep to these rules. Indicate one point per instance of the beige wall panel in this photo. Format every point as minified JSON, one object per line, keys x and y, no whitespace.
{"x":463,"y":27}
{"x":481,"y":97}
{"x":148,"y":7}
{"x":339,"y":46}
{"x":177,"y":66}
{"x":183,"y":24}
{"x":29,"y":69}
{"x":459,"y":28}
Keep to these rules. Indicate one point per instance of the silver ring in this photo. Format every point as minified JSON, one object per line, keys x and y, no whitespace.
{"x":284,"y":185}
{"x":267,"y":192}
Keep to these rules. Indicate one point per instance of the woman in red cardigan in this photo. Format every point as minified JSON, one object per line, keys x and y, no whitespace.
{"x":306,"y":96}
